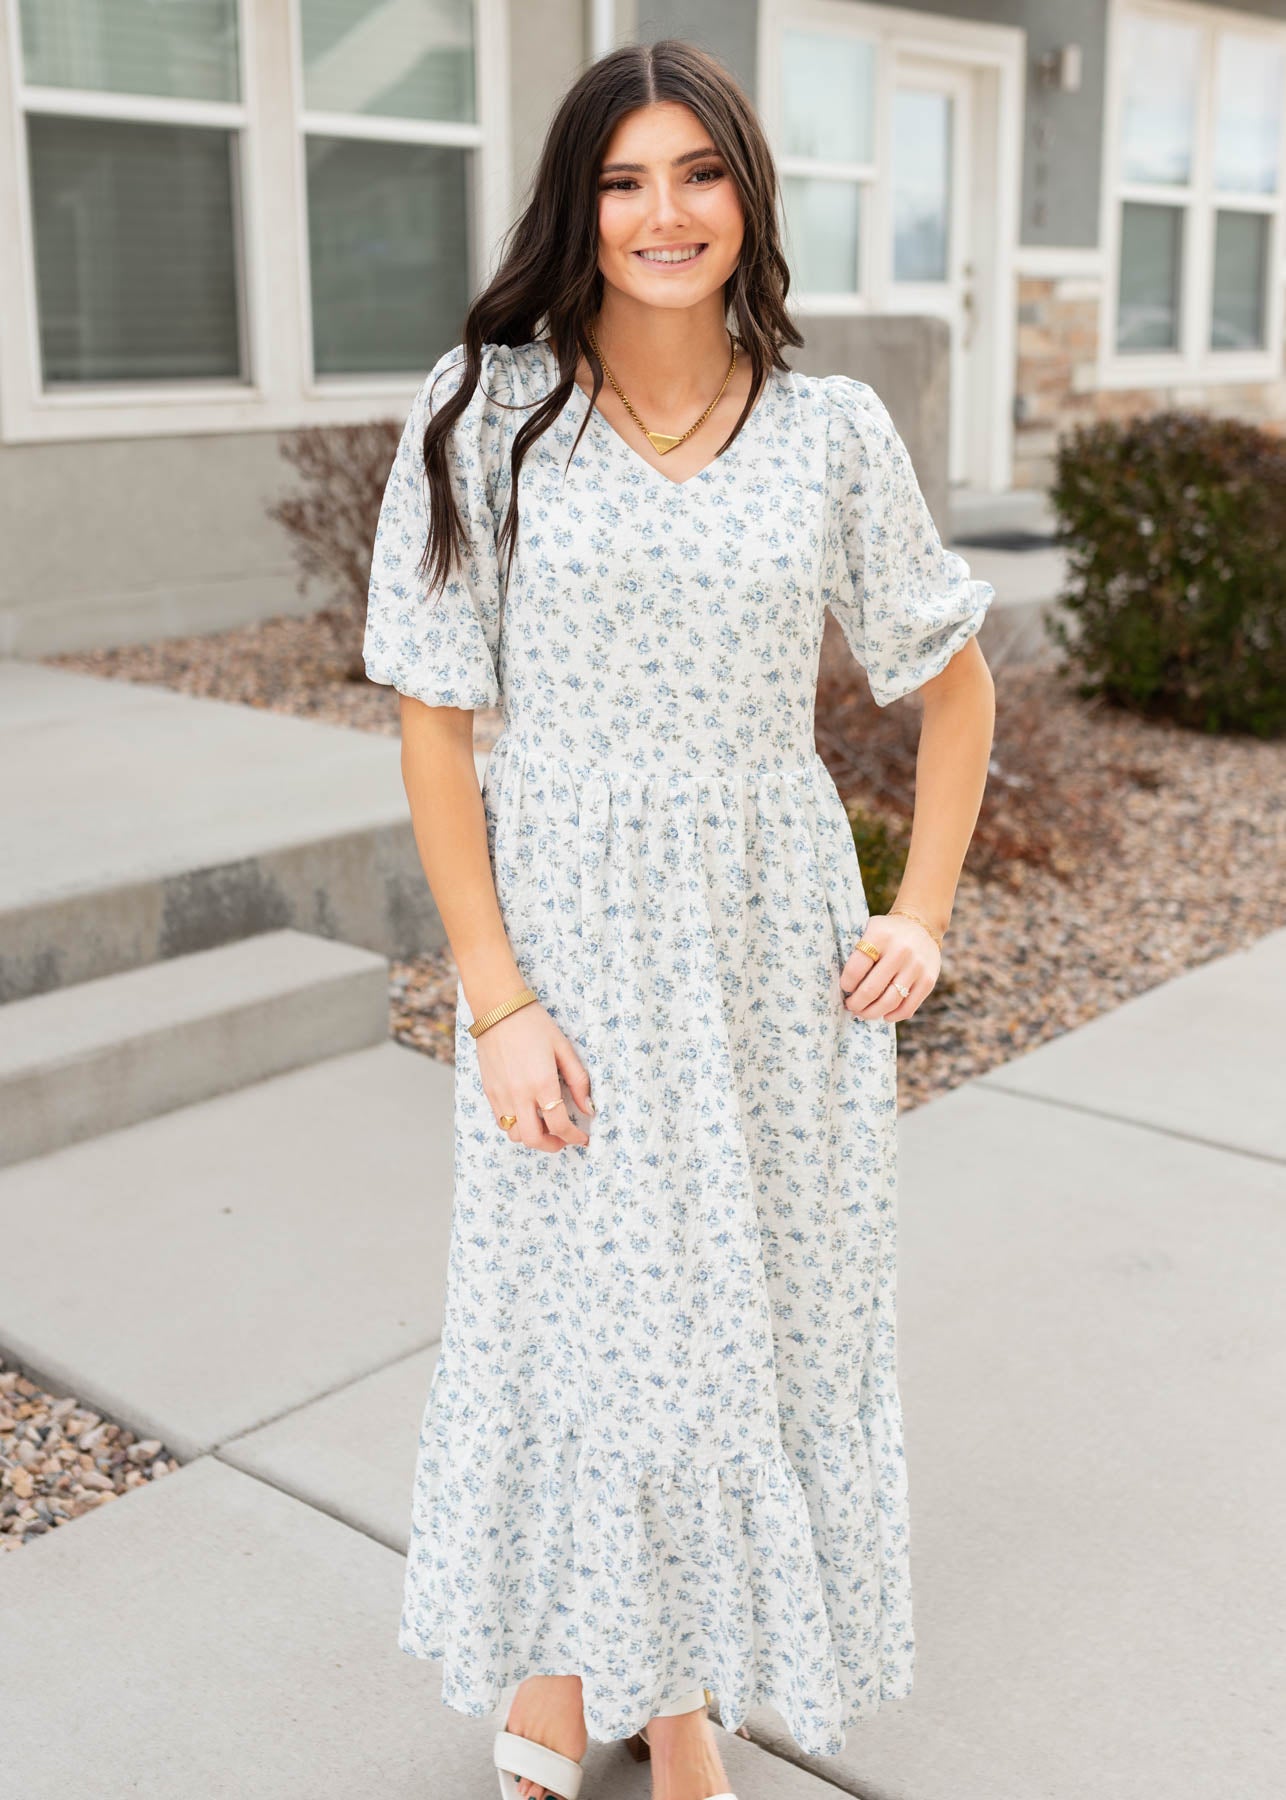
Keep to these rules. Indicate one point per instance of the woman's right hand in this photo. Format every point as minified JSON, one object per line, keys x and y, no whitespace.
{"x":520,"y":1059}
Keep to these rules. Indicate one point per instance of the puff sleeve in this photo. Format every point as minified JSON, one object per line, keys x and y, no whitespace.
{"x":441,"y":647}
{"x":904,"y":603}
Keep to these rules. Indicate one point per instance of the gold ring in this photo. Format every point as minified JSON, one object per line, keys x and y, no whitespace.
{"x":507,"y":1120}
{"x":869,"y":949}
{"x":905,"y":992}
{"x":545,"y":1106}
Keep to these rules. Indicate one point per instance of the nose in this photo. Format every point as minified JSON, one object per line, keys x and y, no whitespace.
{"x":668,"y":209}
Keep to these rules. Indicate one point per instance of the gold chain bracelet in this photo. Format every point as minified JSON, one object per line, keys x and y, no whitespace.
{"x":502,"y":1011}
{"x":908,"y":914}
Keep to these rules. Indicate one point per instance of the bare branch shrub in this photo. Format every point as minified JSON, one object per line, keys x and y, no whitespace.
{"x":331,"y":524}
{"x":1037,"y":810}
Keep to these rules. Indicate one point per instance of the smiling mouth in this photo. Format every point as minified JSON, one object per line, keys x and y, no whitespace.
{"x":672,"y":259}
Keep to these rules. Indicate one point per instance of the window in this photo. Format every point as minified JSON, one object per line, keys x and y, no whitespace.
{"x":390,"y":147}
{"x":1199,"y":191}
{"x":132,"y":119}
{"x":241,"y":215}
{"x":827,"y":157}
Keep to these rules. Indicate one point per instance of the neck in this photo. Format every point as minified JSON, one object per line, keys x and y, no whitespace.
{"x":666,"y":358}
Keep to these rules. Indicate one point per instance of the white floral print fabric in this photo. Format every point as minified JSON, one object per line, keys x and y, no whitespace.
{"x":662,"y":1446}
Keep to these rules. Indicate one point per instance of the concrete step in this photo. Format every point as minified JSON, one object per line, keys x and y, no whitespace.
{"x":198,"y":1274}
{"x":1020,"y":512}
{"x":143,"y":824}
{"x":90,"y":1058}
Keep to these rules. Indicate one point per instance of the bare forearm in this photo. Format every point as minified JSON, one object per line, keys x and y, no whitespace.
{"x":951,"y":776}
{"x":449,"y":823}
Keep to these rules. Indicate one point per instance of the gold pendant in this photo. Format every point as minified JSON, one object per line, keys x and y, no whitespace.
{"x":661,"y":442}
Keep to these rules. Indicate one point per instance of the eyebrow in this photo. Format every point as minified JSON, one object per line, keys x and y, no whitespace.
{"x":675,"y":162}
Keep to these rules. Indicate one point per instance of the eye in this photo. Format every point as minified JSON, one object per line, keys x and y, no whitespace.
{"x":623,"y":181}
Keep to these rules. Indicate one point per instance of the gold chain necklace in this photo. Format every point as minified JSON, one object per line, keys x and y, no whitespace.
{"x":661,"y":440}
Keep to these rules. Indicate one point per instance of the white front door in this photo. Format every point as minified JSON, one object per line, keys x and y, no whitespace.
{"x":898,"y":138}
{"x":930,"y":250}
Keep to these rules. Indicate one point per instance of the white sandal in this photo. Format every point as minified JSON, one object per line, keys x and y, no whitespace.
{"x":641,"y":1750}
{"x":520,"y":1758}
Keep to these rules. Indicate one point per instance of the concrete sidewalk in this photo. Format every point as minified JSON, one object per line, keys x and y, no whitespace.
{"x":1093,"y":1359}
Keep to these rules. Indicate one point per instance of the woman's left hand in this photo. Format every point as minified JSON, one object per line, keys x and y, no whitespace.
{"x":908,"y":953}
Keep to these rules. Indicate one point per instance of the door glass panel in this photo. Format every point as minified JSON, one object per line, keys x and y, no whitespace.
{"x":823,"y":220}
{"x":412,"y":60}
{"x":828,"y":97}
{"x":1248,"y":115}
{"x":136,"y":267}
{"x":388,"y":251}
{"x":921,"y":185}
{"x":1151,"y":259}
{"x":1240,"y":278}
{"x":1160,"y":97}
{"x":180,"y":49}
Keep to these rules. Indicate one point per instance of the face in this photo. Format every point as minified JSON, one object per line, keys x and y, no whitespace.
{"x":676,"y":196}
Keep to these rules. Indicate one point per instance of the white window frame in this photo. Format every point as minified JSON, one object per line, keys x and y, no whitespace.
{"x":1194,"y":362}
{"x":270,"y":199}
{"x":868,"y":25}
{"x":369,"y":128}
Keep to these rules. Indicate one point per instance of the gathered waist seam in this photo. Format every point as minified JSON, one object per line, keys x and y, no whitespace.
{"x":514,"y":743}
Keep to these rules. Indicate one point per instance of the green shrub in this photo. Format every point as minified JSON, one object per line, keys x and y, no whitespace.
{"x":881,"y":857}
{"x":1175,"y":527}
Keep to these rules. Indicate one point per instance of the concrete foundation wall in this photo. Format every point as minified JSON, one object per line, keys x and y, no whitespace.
{"x":119,"y":540}
{"x":907,"y":361}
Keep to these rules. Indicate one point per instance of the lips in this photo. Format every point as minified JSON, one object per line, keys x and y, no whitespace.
{"x":681,"y":262}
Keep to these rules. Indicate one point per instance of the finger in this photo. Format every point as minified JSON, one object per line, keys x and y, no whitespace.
{"x":859,"y":965}
{"x":514,"y":1132}
{"x":561,"y":1124}
{"x":530,"y":1128}
{"x":870,"y":981}
{"x":575,"y":1074}
{"x":876,"y":1005}
{"x":891,"y":999}
{"x":904,"y":1008}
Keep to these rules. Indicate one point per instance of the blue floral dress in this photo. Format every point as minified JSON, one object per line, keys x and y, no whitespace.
{"x":663,"y":1446}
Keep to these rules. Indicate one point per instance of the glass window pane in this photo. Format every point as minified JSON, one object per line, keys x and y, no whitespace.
{"x":182,"y":49}
{"x":822,"y":232}
{"x":413,"y":60}
{"x":1240,"y":281}
{"x":389,"y":253}
{"x":1158,"y":122}
{"x":1147,"y":315}
{"x":1248,"y":119}
{"x":921,"y":185}
{"x":136,"y":274}
{"x":828,"y":96}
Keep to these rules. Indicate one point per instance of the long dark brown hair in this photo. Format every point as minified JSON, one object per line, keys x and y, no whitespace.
{"x":549,"y":270}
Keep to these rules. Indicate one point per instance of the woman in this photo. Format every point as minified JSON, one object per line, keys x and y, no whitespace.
{"x":662,"y":1452}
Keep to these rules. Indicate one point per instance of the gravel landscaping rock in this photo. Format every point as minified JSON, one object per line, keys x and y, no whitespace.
{"x":59,"y":1459}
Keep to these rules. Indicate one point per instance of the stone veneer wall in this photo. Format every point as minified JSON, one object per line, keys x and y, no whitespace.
{"x":1054,"y":387}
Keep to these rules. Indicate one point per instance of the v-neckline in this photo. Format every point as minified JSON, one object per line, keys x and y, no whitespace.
{"x":637,"y":455}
